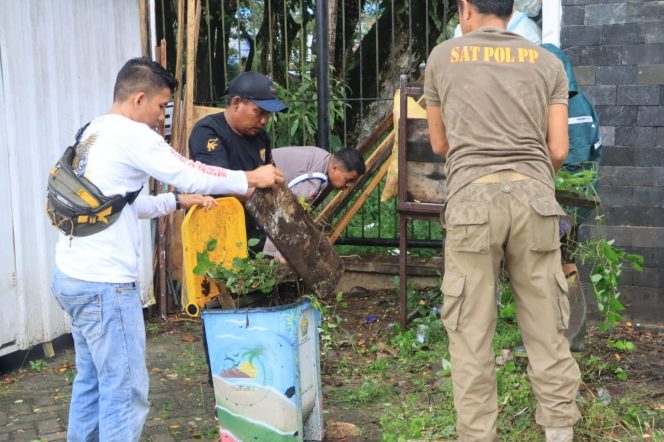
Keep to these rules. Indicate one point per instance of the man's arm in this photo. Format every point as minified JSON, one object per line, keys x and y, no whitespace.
{"x":437,"y":133}
{"x":557,"y":138}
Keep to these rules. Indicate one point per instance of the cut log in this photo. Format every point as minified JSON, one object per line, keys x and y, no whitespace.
{"x":298,"y":238}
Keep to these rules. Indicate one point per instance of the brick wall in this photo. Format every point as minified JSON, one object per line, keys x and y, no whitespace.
{"x":617,"y":48}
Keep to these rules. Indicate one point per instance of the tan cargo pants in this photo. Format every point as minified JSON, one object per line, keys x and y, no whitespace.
{"x":506,"y":217}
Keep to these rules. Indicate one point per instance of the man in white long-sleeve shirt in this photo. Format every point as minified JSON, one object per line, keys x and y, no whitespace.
{"x":95,"y":280}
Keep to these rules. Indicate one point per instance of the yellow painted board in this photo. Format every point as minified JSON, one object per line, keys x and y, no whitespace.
{"x":225,"y":223}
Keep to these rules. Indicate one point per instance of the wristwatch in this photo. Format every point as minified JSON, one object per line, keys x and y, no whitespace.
{"x":176,"y":194}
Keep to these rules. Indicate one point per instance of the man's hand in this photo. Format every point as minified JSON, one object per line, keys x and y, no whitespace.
{"x":265,"y":176}
{"x":186,"y":200}
{"x":437,"y":132}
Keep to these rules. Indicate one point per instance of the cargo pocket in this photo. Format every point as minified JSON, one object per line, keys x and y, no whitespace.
{"x":544,"y":225}
{"x":467,"y":228}
{"x":452,"y":289}
{"x":561,"y":302}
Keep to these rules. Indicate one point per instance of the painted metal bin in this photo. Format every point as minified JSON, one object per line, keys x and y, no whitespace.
{"x":265,"y":366}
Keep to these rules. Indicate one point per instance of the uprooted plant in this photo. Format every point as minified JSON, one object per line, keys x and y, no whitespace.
{"x":607,"y":260}
{"x":242,"y":275}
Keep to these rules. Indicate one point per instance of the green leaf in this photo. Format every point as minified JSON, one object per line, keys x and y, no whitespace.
{"x":211,"y":245}
{"x":252,"y":242}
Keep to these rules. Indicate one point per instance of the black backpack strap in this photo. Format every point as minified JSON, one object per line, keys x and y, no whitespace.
{"x":130,"y":197}
{"x":79,"y":134}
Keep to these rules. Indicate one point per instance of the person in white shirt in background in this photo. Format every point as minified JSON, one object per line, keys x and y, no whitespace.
{"x":95,"y":279}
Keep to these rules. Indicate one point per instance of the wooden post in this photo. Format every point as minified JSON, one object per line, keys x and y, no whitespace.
{"x":144,"y":29}
{"x":49,"y":352}
{"x":193,"y":25}
{"x":176,"y":123}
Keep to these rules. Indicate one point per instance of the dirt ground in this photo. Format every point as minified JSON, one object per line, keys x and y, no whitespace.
{"x":369,"y":315}
{"x":33,"y":400}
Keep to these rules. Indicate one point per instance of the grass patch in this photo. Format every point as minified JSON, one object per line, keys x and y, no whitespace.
{"x":414,"y":392}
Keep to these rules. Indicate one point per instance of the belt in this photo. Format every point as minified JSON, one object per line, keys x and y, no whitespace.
{"x":509,"y":175}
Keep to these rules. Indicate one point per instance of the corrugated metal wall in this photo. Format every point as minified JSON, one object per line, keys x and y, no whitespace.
{"x":58,"y":62}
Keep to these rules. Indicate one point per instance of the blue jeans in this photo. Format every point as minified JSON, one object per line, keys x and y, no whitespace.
{"x":109,"y":399}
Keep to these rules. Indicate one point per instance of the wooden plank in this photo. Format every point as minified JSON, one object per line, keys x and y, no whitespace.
{"x":418,"y":142}
{"x":426,"y":182}
{"x":572,"y":199}
{"x":373,"y":163}
{"x":350,"y":213}
{"x":203,"y":111}
{"x":299,"y":239}
{"x":386,"y":125}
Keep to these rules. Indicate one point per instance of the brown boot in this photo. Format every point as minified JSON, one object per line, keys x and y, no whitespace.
{"x":559,"y":434}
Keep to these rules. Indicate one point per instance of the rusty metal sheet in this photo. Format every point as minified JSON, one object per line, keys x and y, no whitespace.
{"x":299,"y":239}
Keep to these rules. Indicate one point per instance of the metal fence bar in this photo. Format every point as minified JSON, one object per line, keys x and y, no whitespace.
{"x":231,"y":28}
{"x":322,"y":74}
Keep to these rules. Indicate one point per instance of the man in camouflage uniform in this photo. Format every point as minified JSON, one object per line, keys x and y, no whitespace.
{"x":497,"y":110}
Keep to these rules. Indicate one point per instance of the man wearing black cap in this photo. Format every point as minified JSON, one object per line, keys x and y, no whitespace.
{"x":235,"y":138}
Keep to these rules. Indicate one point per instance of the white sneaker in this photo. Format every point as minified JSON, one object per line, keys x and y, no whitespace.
{"x":559,"y":434}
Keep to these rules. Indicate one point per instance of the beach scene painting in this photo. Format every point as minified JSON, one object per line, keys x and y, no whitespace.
{"x":255,"y":358}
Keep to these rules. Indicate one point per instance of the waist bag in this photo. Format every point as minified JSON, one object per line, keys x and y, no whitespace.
{"x":74,"y":204}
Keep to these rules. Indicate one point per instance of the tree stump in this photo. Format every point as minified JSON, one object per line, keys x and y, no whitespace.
{"x":299,"y":239}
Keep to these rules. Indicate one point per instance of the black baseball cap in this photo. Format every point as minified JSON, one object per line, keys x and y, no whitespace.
{"x":257,"y":88}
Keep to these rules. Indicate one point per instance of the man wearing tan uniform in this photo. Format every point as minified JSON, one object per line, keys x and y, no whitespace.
{"x":497,"y":110}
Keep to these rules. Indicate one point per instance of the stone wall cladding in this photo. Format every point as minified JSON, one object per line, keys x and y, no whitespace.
{"x":617,"y":49}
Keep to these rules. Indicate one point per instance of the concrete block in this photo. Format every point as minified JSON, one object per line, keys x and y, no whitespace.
{"x":49,"y":426}
{"x":607,"y":135}
{"x":649,"y":196}
{"x":626,"y":176}
{"x":652,"y":257}
{"x":659,"y":140}
{"x":649,"y":156}
{"x":649,"y":277}
{"x":616,"y":195}
{"x":654,"y":32}
{"x":651,"y":53}
{"x":573,"y":15}
{"x":573,"y":54}
{"x":650,"y":74}
{"x":643,"y":304}
{"x":631,"y":95}
{"x":645,"y":11}
{"x":634,"y":216}
{"x":585,"y":75}
{"x":580,"y":35}
{"x":588,"y":2}
{"x":634,"y":236}
{"x":603,"y":14}
{"x":615,"y":74}
{"x":601,"y":55}
{"x":617,"y":115}
{"x":650,"y":115}
{"x":636,"y":136}
{"x":624,"y":33}
{"x":601,"y":94}
{"x":618,"y":156}
{"x":624,"y":135}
